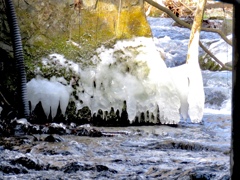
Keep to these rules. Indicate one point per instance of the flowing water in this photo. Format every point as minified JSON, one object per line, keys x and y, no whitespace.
{"x":185,"y":151}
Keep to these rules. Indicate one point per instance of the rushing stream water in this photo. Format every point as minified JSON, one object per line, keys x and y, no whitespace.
{"x":185,"y":151}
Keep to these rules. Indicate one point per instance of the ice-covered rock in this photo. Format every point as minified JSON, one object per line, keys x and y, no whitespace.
{"x":131,"y":72}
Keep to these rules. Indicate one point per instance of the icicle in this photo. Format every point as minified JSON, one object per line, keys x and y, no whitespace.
{"x":50,"y":93}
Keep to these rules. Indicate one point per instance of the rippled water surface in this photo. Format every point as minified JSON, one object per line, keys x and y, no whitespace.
{"x":185,"y":151}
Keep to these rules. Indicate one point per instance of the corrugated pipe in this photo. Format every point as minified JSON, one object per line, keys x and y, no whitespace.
{"x":18,"y":55}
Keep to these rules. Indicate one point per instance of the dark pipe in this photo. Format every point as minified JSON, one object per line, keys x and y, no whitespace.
{"x":235,"y":141}
{"x":235,"y":144}
{"x":18,"y":55}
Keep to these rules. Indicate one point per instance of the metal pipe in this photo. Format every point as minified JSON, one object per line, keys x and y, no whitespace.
{"x":23,"y":109}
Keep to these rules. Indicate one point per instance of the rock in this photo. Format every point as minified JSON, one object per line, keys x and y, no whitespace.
{"x":206,"y":174}
{"x":52,"y":138}
{"x":47,"y":26}
{"x":86,"y":131}
{"x":28,"y":163}
{"x":8,"y":169}
{"x":77,"y":166}
{"x":55,"y":128}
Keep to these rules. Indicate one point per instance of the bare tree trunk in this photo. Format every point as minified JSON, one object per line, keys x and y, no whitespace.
{"x":195,"y":33}
{"x":196,"y":95}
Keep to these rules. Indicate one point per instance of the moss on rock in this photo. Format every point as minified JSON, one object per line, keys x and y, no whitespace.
{"x":54,"y":26}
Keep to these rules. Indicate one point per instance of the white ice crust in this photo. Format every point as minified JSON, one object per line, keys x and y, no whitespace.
{"x":132,"y":71}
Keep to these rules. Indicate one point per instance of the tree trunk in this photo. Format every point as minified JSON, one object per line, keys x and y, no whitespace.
{"x":196,"y":95}
{"x":195,"y":33}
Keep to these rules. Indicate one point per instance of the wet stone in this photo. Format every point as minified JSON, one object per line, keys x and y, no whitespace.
{"x":206,"y":174}
{"x":22,"y":126}
{"x":52,"y":138}
{"x":9,"y":169}
{"x":28,"y":163}
{"x":104,"y":168}
{"x":77,"y":166}
{"x":52,"y":152}
{"x":55,"y":128}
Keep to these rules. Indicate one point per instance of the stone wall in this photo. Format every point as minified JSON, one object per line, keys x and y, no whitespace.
{"x":47,"y":25}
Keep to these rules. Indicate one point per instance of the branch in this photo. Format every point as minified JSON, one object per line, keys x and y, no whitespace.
{"x":4,"y":99}
{"x":214,"y":57}
{"x":186,"y":6}
{"x":189,"y":26}
{"x":186,"y":25}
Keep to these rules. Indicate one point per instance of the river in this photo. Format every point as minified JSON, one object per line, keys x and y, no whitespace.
{"x":185,"y":151}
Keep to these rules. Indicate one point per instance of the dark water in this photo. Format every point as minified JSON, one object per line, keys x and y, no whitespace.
{"x":188,"y":151}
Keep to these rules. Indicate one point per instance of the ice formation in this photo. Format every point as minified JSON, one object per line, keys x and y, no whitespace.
{"x":189,"y":84}
{"x":132,"y":72}
{"x":50,"y":93}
